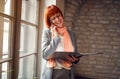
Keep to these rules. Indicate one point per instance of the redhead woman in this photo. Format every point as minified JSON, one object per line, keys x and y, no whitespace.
{"x":57,"y":43}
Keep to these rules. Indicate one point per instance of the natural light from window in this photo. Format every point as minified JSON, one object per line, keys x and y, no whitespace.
{"x":5,"y":49}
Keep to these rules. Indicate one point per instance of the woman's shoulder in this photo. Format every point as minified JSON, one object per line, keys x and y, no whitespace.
{"x":46,"y":30}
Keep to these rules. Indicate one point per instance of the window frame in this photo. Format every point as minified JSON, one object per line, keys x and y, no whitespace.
{"x":16,"y":21}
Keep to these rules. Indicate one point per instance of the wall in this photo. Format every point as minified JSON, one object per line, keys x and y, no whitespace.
{"x":60,"y":4}
{"x":96,"y":24}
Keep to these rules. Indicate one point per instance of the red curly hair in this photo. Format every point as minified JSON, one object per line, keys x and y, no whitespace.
{"x":50,"y":11}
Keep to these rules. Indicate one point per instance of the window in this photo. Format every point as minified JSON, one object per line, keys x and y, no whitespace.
{"x":6,"y":20}
{"x":18,"y":38}
{"x":28,"y":39}
{"x":5,"y":47}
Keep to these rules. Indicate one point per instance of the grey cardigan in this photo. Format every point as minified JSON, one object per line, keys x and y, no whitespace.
{"x":48,"y":48}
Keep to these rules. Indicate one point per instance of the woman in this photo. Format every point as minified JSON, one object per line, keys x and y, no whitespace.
{"x":57,"y":44}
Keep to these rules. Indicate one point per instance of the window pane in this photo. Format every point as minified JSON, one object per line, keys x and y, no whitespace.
{"x":26,"y":67}
{"x":5,"y":70}
{"x":29,"y":10}
{"x":4,"y":36}
{"x":27,"y":39}
{"x":5,"y":6}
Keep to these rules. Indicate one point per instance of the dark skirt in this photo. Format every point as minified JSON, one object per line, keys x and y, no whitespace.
{"x":61,"y":74}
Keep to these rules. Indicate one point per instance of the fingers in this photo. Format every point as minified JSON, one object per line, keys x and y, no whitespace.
{"x":52,"y":28}
{"x":71,"y":58}
{"x":54,"y":31}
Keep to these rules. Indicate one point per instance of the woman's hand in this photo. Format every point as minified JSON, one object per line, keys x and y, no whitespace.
{"x":64,"y":56}
{"x":54,"y":31}
{"x":72,"y":59}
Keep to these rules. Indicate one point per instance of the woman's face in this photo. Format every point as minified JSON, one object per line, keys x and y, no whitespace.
{"x":57,"y":20}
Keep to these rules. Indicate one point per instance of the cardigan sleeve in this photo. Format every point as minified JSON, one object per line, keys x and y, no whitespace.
{"x":48,"y":45}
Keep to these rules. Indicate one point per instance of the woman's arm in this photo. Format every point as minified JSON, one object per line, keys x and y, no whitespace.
{"x":48,"y":45}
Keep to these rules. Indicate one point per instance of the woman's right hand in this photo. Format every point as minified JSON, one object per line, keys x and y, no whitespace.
{"x":54,"y":31}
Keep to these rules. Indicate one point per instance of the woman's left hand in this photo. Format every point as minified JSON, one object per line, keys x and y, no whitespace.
{"x":72,"y":59}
